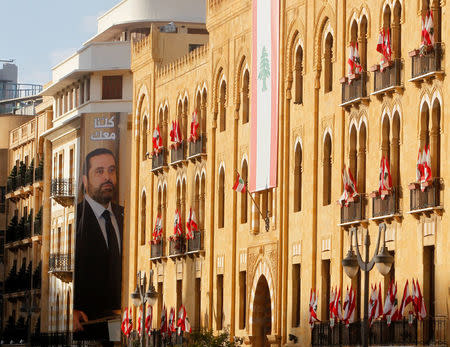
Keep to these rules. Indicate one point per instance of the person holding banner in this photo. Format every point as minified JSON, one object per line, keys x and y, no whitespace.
{"x":98,"y":251}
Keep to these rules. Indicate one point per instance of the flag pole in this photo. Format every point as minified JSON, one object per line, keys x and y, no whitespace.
{"x":266,"y":218}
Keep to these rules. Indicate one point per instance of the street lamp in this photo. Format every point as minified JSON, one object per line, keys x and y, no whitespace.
{"x":351,"y":263}
{"x":140,"y":297}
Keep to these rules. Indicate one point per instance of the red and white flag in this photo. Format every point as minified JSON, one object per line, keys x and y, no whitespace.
{"x":126,"y":326}
{"x":157,"y":231}
{"x":406,"y":299}
{"x":194,"y":127}
{"x":349,"y":307}
{"x":191,"y":225}
{"x":350,"y":190}
{"x":372,"y":304}
{"x":148,"y":320}
{"x":331,"y":307}
{"x":379,"y":307}
{"x":337,"y":306}
{"x":385,"y":178}
{"x":187,"y":325}
{"x":354,"y":61}
{"x":428,"y":29}
{"x":139,"y":321}
{"x":313,"y":297}
{"x":426,"y":168}
{"x":175,"y":132}
{"x":157,"y":140}
{"x":390,"y":303}
{"x":419,"y":166}
{"x":384,"y":45}
{"x":239,"y":185}
{"x":422,"y":311}
{"x":171,"y":327}
{"x":177,"y":227}
{"x":183,"y":323}
{"x":163,"y":326}
{"x":264,"y":94}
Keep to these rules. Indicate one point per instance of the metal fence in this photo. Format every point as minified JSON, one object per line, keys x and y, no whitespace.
{"x":386,"y":206}
{"x":356,"y":89}
{"x":354,"y":211}
{"x":389,"y":77}
{"x":424,"y":199}
{"x":426,"y":63}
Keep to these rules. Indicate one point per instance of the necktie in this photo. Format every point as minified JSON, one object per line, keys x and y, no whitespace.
{"x":115,"y":263}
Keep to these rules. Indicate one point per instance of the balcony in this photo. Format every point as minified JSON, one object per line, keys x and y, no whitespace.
{"x":195,"y":245}
{"x":39,"y":172}
{"x":157,"y":251}
{"x":177,"y":247}
{"x":429,"y":332}
{"x":354,"y":213}
{"x":354,"y":89}
{"x":197,"y":149}
{"x":387,"y":208}
{"x":60,"y":265}
{"x":177,"y":154}
{"x":389,"y":80}
{"x":159,"y":161}
{"x":426,"y":201}
{"x":426,"y":66}
{"x":63,"y":191}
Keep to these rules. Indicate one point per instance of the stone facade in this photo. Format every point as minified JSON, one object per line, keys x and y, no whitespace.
{"x":323,"y":125}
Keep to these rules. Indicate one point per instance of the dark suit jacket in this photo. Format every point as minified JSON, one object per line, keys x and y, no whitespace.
{"x":97,"y":283}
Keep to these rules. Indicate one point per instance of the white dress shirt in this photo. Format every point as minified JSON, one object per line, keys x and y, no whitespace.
{"x":98,"y":211}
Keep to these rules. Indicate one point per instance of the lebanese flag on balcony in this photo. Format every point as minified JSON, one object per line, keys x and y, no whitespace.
{"x":313,"y":297}
{"x":177,"y":227}
{"x":343,"y":200}
{"x":175,"y":133}
{"x":239,"y":185}
{"x":385,"y":178}
{"x":384,"y":46}
{"x":194,"y":127}
{"x":406,"y":299}
{"x":191,"y":225}
{"x":426,"y":168}
{"x":428,"y":29}
{"x":354,"y":61}
{"x":126,"y":326}
{"x":157,"y":231}
{"x":349,"y":307}
{"x":419,"y":166}
{"x":148,"y":320}
{"x":157,"y":140}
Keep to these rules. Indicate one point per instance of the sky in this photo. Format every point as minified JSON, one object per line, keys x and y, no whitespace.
{"x":38,"y":34}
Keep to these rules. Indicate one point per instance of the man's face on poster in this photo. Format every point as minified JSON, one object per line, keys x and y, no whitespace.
{"x":100,"y":181}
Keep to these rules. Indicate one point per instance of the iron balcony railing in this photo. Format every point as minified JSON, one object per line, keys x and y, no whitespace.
{"x":177,"y":246}
{"x":10,"y":185}
{"x":423,"y":64}
{"x":426,"y":199}
{"x":386,"y":206}
{"x":19,"y":181}
{"x":37,"y":227}
{"x":157,"y":249}
{"x":389,"y":77}
{"x":60,"y":263}
{"x":428,"y":332}
{"x":63,"y":187}
{"x":38,"y":173}
{"x":355,"y":89}
{"x":177,"y":153}
{"x":195,"y":244}
{"x":159,"y":160}
{"x":198,"y":147}
{"x":354,"y":211}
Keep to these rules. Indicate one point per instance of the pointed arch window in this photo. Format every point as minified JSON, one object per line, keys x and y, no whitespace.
{"x":221,"y":214}
{"x":298,"y":76}
{"x":222,"y":106}
{"x":328,"y":63}
{"x":298,"y":178}
{"x":144,"y":138}
{"x":245,"y":97}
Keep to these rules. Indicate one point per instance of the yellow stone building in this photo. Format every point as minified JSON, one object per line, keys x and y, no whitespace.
{"x":255,"y":282}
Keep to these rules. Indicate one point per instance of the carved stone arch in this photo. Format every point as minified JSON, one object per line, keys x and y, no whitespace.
{"x":244,"y":158}
{"x":326,"y":15}
{"x":215,"y":97}
{"x":364,"y":11}
{"x":298,"y":142}
{"x":203,"y":173}
{"x":262,"y":268}
{"x":142,"y":94}
{"x":354,"y":17}
{"x":296,"y":33}
{"x":238,"y":80}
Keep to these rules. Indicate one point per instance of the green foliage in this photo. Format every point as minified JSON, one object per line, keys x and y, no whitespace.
{"x":206,"y":338}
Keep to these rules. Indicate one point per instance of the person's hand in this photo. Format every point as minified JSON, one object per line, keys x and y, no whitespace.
{"x":78,"y":317}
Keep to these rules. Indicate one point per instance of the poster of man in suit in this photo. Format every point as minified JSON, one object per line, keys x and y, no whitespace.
{"x":99,"y":229}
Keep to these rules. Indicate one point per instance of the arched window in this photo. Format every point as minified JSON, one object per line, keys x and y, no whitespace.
{"x":221,"y":214}
{"x":180,"y":117}
{"x":245,"y":98}
{"x":385,"y":139}
{"x":395,"y":150}
{"x":183,"y":203}
{"x":144,"y":138}
{"x":327,"y":150}
{"x":203,"y":113}
{"x":298,"y":178}
{"x":197,"y":195}
{"x":435,"y":139}
{"x":397,"y":31}
{"x":164,"y":132}
{"x":222,"y":108}
{"x":244,"y":201}
{"x":184,"y":120}
{"x":143,"y":217}
{"x":328,"y":58}
{"x":363,"y":43}
{"x":298,"y":75}
{"x":353,"y":157}
{"x":164,"y":210}
{"x":361,"y":170}
{"x":202,"y":202}
{"x":198,"y":108}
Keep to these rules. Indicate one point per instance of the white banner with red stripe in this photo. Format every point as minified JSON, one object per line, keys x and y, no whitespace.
{"x":264,"y":95}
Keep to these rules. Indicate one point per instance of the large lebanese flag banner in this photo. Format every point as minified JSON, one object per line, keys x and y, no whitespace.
{"x":264,"y":97}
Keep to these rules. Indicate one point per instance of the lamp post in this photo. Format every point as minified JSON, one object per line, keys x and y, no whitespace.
{"x":140,"y":297}
{"x":351,"y":263}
